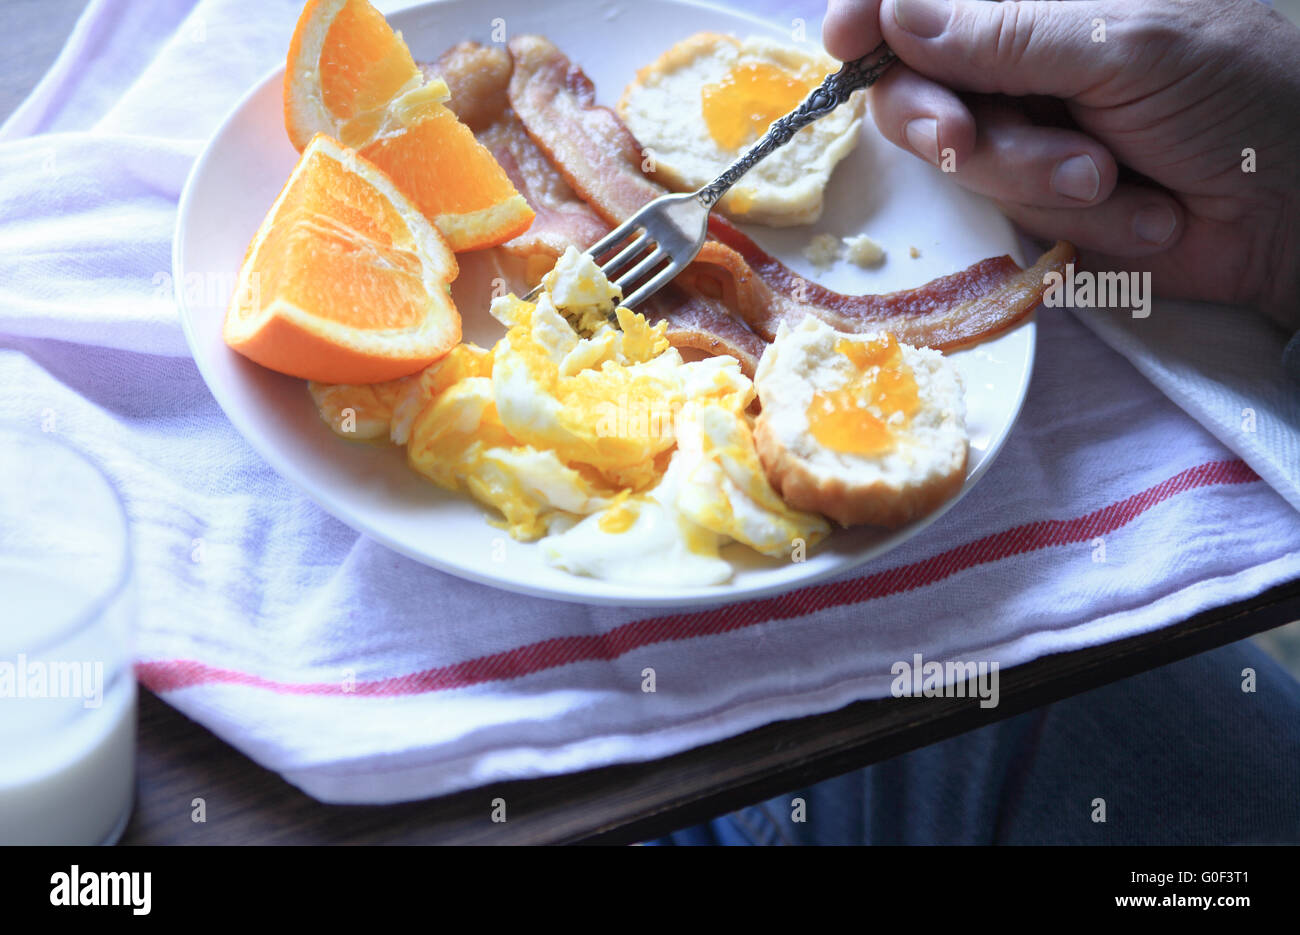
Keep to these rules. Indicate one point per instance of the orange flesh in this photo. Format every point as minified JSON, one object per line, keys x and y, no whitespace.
{"x":378,"y":103}
{"x":740,"y":107}
{"x":332,"y":220}
{"x":437,"y":148}
{"x":367,"y":63}
{"x":840,"y":419}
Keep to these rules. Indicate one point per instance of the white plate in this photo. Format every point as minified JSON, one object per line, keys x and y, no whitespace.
{"x":879,"y":189}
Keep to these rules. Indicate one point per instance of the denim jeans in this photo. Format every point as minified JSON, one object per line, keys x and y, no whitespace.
{"x":1178,"y":755}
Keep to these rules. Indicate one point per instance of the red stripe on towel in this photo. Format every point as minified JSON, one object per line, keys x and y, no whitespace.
{"x":175,"y":674}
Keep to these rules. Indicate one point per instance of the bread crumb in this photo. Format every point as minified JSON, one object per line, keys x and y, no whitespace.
{"x":864,"y":251}
{"x":823,"y":250}
{"x":913,"y":252}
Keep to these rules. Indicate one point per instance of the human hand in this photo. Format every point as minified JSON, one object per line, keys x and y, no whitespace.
{"x":1179,"y":92}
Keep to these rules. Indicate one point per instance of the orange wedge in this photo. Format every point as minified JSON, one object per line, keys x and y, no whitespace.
{"x":345,"y":281}
{"x":350,"y":76}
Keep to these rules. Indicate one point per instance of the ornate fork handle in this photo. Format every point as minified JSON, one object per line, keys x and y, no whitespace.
{"x":831,"y":93}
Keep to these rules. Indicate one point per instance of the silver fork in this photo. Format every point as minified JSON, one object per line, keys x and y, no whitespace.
{"x":667,"y":234}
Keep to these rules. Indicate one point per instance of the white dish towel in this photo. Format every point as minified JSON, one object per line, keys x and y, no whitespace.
{"x":1224,"y":366}
{"x":362,"y":676}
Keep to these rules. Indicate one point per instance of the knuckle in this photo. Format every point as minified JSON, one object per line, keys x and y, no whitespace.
{"x":1149,"y":29}
{"x":1139,"y":42}
{"x":1009,"y":31}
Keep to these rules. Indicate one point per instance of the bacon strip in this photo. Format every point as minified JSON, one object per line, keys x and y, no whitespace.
{"x":947,"y":313}
{"x":477,"y":76}
{"x":561,"y":217}
{"x":700,"y":323}
{"x":588,"y":143}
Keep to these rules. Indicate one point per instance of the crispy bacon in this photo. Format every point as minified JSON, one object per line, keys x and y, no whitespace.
{"x":562,"y":218}
{"x":947,"y":313}
{"x":477,"y":76}
{"x":588,"y":143}
{"x":700,"y":323}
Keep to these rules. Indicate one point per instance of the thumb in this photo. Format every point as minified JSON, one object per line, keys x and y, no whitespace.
{"x":1014,"y":47}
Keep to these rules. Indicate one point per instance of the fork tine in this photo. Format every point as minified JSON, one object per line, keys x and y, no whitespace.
{"x":613,"y":238}
{"x":652,"y":285}
{"x":637,"y":241}
{"x":604,"y":245}
{"x":649,"y":263}
{"x":627,"y":255}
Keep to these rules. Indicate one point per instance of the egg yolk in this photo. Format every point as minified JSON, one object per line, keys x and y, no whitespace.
{"x":620,"y":517}
{"x":863,"y":417}
{"x":744,"y":103}
{"x":625,"y":510}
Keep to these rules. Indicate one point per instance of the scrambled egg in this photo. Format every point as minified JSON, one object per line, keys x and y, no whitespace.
{"x":629,"y":463}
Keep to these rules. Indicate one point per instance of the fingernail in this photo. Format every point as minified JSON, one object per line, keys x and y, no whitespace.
{"x":1154,"y":223}
{"x":923,"y":136}
{"x":923,"y":18}
{"x":1077,"y":178}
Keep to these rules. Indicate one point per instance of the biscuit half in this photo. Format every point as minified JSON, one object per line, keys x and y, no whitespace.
{"x":663,"y":108}
{"x":921,"y":468}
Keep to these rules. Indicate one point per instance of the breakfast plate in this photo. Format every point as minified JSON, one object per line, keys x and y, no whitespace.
{"x":928,"y":225}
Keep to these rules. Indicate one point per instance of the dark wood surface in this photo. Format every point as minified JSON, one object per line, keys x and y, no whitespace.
{"x":245,"y":804}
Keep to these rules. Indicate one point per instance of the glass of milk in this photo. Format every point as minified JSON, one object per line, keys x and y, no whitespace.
{"x":67,"y":687}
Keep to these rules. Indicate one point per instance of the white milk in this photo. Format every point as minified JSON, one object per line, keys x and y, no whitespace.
{"x":67,"y":758}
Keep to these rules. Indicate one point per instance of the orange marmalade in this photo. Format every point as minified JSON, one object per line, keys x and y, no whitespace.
{"x":744,"y":103}
{"x":863,"y":417}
